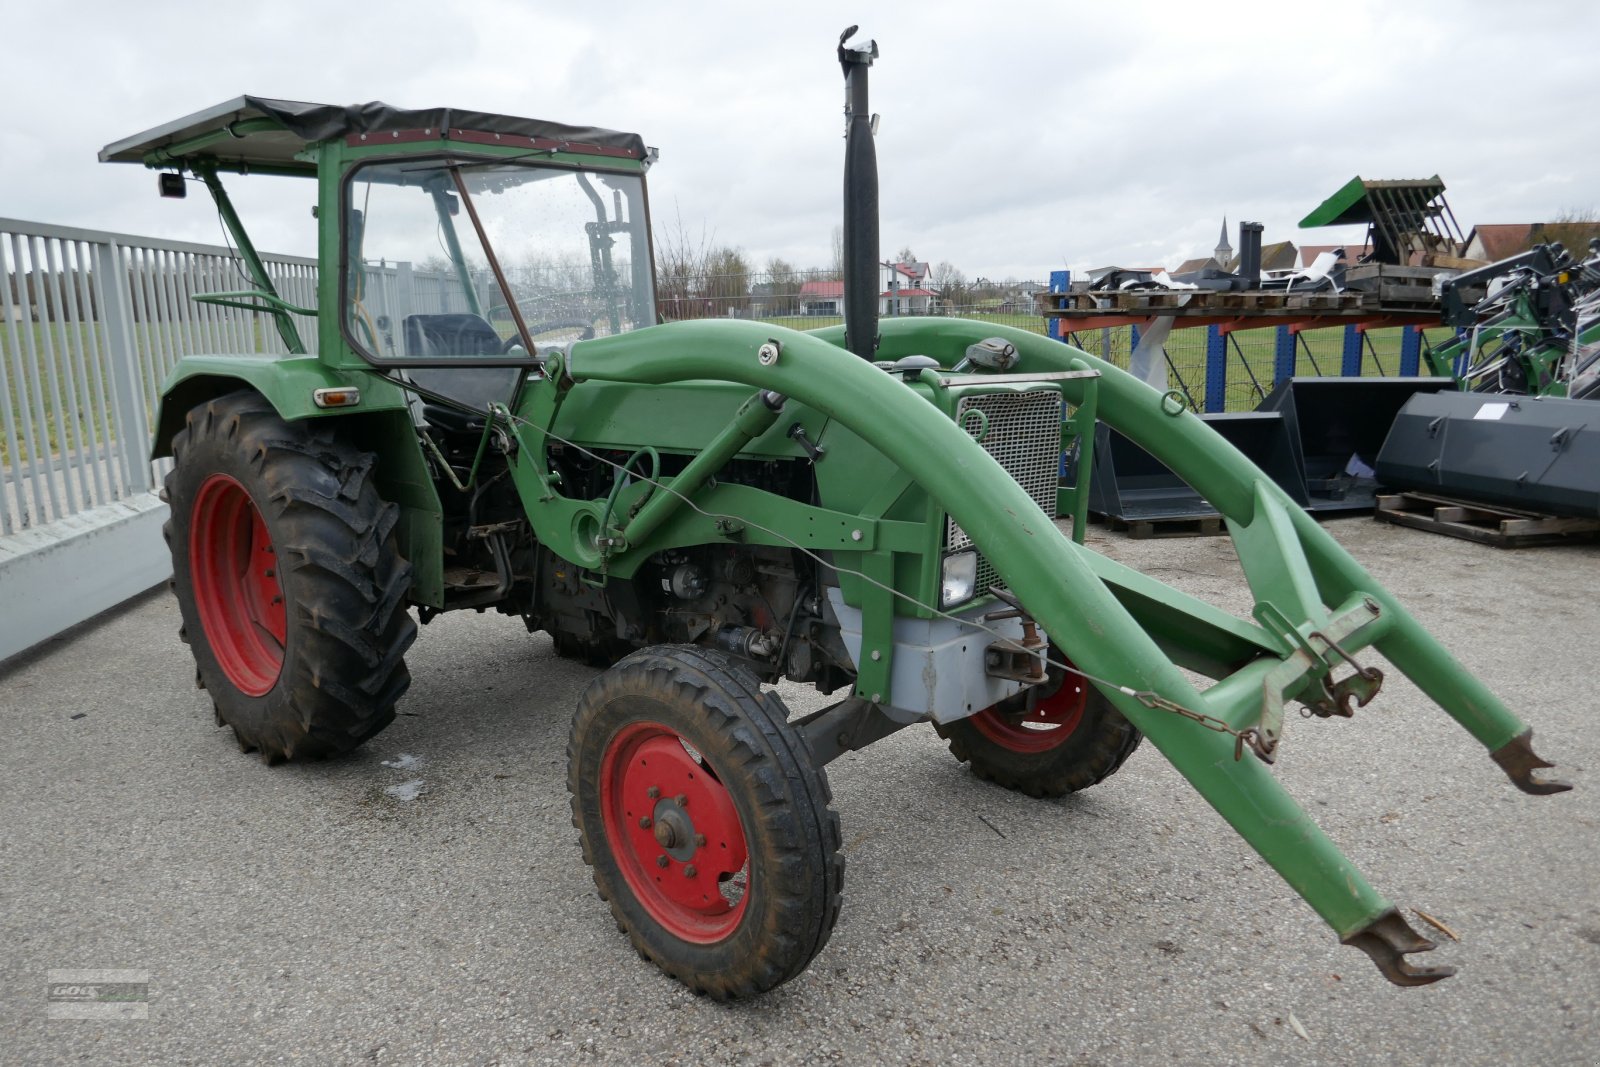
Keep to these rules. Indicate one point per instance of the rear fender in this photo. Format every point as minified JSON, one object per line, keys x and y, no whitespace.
{"x":380,"y":424}
{"x":287,"y":383}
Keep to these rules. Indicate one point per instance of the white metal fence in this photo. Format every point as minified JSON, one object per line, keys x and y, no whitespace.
{"x":90,"y":325}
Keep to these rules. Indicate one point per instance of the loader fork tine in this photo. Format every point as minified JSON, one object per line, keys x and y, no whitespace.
{"x":1387,"y":939}
{"x":1516,"y":757}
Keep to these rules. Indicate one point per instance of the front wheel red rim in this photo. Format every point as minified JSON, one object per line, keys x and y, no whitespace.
{"x":675,"y":833}
{"x":1053,"y":720}
{"x":233,"y":568}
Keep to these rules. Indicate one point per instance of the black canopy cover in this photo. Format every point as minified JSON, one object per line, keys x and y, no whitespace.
{"x":305,"y":123}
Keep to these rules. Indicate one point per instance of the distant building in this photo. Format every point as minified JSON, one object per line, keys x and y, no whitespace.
{"x":1499,"y":241}
{"x":1208,"y":263}
{"x":904,"y":275}
{"x":1224,"y":251}
{"x":905,"y":289}
{"x":1279,"y":255}
{"x":906,"y":301}
{"x":822,"y":298}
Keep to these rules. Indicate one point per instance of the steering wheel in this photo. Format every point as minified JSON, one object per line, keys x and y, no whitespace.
{"x":535,"y":329}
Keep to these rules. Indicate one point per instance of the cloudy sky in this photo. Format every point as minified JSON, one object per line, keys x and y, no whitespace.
{"x":1015,"y":138}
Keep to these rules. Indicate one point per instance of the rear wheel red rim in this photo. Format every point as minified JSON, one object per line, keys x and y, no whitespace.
{"x":1052,"y":721}
{"x":677,"y":838}
{"x":234,"y":571}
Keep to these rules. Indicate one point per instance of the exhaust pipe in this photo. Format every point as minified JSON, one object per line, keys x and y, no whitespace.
{"x":860,"y":201}
{"x":1250,"y":254}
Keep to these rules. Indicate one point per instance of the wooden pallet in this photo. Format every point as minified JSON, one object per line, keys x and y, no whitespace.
{"x":1186,"y":302}
{"x":1179,"y":526}
{"x":1487,"y":524}
{"x":1269,"y":306}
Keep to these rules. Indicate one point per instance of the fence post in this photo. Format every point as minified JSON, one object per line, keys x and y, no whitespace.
{"x":127,"y":382}
{"x":1352,"y":352}
{"x":1410,"y":351}
{"x":1284,"y":352}
{"x":405,"y":292}
{"x":1216,"y":368}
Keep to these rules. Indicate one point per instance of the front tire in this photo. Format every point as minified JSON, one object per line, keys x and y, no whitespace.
{"x":705,"y":821}
{"x":288,"y":578}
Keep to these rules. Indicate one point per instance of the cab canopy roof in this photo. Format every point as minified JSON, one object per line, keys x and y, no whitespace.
{"x":254,"y":131}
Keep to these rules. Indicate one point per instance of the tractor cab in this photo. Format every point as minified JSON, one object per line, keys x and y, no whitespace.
{"x":456,"y":245}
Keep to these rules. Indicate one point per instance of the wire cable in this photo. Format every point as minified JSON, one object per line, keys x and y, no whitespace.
{"x":1146,"y":697}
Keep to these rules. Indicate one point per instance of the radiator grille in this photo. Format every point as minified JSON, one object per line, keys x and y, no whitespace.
{"x":1025,"y":438}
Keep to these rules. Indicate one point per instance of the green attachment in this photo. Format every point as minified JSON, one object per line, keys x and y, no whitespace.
{"x":180,"y":151}
{"x":1251,"y":700}
{"x":877,"y":627}
{"x":253,"y":300}
{"x":1080,"y":428}
{"x":452,"y":243}
{"x":620,"y":481}
{"x":754,"y":418}
{"x":276,"y":307}
{"x":477,"y":459}
{"x":1128,"y":632}
{"x":1274,"y":565}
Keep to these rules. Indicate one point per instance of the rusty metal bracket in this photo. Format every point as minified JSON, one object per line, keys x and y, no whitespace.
{"x":1015,"y":660}
{"x":1387,"y":939}
{"x":1517,"y":759}
{"x":1362,"y":686}
{"x":1307,"y":658}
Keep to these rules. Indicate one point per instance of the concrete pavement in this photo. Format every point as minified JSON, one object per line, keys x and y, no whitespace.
{"x":344,"y":913}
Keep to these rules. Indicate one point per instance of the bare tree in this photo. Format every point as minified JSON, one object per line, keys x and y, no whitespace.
{"x":782,"y":287}
{"x":727,"y":281}
{"x":905,"y":255}
{"x":836,"y":272}
{"x":681,"y":262}
{"x":950,"y":283}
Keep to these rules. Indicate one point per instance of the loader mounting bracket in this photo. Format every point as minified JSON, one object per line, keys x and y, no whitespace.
{"x":1387,"y":939}
{"x":1517,"y":759}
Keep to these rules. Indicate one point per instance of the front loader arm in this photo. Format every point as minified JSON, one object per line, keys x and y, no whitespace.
{"x":1315,"y":606}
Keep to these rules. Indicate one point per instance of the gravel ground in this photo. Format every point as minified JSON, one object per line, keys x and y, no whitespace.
{"x":343,"y":913}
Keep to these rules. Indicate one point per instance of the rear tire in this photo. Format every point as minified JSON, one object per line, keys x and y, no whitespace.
{"x":1073,"y":738}
{"x":288,"y":578}
{"x":705,"y":820}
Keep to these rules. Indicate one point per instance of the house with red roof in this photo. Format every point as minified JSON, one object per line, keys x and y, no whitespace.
{"x":822,"y":298}
{"x":1496,"y":241}
{"x":905,"y":289}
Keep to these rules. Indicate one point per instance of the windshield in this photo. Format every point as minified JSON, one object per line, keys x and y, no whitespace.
{"x":572,"y":246}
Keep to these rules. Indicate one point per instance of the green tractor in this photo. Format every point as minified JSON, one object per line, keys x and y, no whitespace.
{"x":483,"y":412}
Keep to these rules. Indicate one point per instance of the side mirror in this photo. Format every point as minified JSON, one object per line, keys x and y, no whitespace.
{"x":172,"y":185}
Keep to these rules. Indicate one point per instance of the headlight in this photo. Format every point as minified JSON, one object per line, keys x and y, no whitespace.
{"x":958,"y":578}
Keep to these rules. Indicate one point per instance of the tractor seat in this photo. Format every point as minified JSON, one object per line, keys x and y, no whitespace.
{"x":454,"y":336}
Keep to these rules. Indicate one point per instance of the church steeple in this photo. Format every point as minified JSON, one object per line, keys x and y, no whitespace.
{"x":1224,"y":251}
